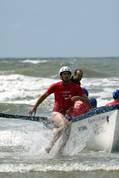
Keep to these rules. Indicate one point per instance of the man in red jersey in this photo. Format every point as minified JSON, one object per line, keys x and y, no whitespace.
{"x":115,"y":95}
{"x":66,"y":93}
{"x":80,"y":107}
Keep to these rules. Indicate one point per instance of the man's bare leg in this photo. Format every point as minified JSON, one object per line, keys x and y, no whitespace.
{"x":61,"y":123}
{"x":65,"y":137}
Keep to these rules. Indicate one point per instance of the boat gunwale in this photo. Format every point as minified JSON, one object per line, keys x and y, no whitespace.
{"x":96,"y":111}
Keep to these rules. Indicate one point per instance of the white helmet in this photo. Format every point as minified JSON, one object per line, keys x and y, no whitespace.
{"x":64,"y":69}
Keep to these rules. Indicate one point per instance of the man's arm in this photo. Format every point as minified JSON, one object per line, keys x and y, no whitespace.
{"x":39,"y":101}
{"x":82,"y":98}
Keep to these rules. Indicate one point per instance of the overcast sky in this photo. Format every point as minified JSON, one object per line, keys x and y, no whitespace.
{"x":59,"y":28}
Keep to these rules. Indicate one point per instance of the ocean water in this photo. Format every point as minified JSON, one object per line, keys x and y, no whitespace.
{"x":22,"y":143}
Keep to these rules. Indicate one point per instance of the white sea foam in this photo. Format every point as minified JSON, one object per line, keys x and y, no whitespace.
{"x":65,"y":167}
{"x":24,"y":89}
{"x":34,"y":61}
{"x":31,"y":138}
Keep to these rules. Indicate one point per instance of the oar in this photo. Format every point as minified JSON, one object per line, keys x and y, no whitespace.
{"x":42,"y":119}
{"x":31,"y":118}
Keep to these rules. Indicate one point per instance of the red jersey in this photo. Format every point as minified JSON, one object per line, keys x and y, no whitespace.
{"x":79,"y":108}
{"x":63,"y":94}
{"x":112,"y":103}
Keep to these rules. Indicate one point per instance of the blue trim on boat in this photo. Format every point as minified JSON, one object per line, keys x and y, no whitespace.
{"x":96,"y":111}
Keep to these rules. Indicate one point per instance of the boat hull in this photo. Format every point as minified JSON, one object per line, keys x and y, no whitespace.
{"x":96,"y":130}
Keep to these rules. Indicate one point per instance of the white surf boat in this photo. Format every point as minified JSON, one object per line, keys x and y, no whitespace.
{"x":98,"y":129}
